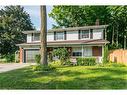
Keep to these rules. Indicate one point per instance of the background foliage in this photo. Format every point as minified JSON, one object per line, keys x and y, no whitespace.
{"x":114,"y":16}
{"x":13,"y":20}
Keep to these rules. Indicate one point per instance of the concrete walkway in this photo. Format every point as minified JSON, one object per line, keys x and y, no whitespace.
{"x":12,"y":66}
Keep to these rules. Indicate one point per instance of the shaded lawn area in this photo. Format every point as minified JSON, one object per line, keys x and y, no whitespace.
{"x":77,"y":77}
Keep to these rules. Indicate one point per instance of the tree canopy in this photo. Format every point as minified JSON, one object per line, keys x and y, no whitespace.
{"x":114,"y":16}
{"x":13,"y":20}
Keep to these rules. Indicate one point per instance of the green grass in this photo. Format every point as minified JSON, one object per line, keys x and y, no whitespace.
{"x":77,"y":77}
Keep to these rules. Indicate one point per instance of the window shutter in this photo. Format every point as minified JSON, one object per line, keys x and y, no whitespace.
{"x":91,"y":33}
{"x":32,"y":37}
{"x":104,"y":34}
{"x":65,"y":36}
{"x":79,"y":33}
{"x":54,"y":35}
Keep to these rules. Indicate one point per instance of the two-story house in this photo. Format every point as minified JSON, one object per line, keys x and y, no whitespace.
{"x":87,"y":41}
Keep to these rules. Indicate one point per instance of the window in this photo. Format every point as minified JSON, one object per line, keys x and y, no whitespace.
{"x":59,"y":36}
{"x":84,"y":34}
{"x":77,"y":51}
{"x":36,"y":37}
{"x":77,"y":54}
{"x":87,"y":51}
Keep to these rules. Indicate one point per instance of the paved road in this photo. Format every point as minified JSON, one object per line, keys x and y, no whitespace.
{"x":12,"y":66}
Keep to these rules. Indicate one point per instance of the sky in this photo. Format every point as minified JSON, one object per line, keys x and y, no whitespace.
{"x":34,"y":12}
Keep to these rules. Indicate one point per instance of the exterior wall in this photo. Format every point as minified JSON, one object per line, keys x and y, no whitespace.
{"x":50,"y":36}
{"x":29,"y":38}
{"x":72,"y":35}
{"x":98,"y":34}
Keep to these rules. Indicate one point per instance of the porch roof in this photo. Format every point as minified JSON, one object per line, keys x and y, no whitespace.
{"x":72,"y":42}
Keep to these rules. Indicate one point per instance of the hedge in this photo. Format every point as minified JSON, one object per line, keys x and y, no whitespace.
{"x":86,"y":61}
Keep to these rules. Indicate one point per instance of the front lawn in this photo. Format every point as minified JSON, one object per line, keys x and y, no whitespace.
{"x":77,"y":77}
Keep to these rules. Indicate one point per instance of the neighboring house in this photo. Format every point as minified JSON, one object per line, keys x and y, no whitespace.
{"x":87,"y":41}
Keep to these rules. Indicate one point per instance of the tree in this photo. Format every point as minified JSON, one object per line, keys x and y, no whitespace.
{"x":13,"y":20}
{"x":119,"y":22}
{"x":43,"y":35}
{"x":73,"y":16}
{"x":114,"y":16}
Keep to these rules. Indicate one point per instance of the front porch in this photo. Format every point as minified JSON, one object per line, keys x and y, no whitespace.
{"x":82,"y":51}
{"x":28,"y":53}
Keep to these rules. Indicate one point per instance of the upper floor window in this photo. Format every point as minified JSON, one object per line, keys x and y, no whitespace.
{"x":36,"y":37}
{"x":84,"y":34}
{"x":59,"y":35}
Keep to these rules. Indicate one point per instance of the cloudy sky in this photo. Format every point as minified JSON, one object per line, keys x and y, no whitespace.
{"x":34,"y":12}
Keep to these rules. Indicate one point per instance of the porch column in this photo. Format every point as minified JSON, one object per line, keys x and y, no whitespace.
{"x":21,"y":55}
{"x":82,"y":51}
{"x":102,"y":52}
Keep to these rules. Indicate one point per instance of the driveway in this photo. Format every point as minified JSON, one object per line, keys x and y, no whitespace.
{"x":12,"y":66}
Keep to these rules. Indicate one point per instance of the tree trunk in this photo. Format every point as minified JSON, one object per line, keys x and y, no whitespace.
{"x":43,"y":35}
{"x":113,"y":36}
{"x":117,"y":36}
{"x":125,"y":42}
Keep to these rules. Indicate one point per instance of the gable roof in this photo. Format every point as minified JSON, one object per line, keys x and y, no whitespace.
{"x":69,"y":29}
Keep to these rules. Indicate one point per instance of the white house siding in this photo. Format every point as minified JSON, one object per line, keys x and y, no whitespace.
{"x":98,"y":34}
{"x":50,"y":36}
{"x":72,"y":35}
{"x":29,"y":38}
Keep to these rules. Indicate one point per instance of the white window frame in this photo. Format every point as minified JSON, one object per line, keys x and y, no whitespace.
{"x":57,"y":34}
{"x":81,"y":34}
{"x":87,"y":51}
{"x":77,"y":49}
{"x":34,"y":37}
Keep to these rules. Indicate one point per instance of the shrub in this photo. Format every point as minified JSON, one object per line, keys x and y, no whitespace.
{"x":68,"y":62}
{"x":50,"y":57}
{"x":86,"y":61}
{"x":62,"y":54}
{"x":38,"y":59}
{"x":105,"y":58}
{"x":10,"y":58}
{"x":56,"y":63}
{"x":42,"y":68}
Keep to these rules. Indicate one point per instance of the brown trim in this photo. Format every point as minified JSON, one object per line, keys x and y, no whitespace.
{"x":65,"y":35}
{"x":91,"y":33}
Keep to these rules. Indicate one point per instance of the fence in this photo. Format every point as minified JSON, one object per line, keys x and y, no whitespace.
{"x":119,"y":56}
